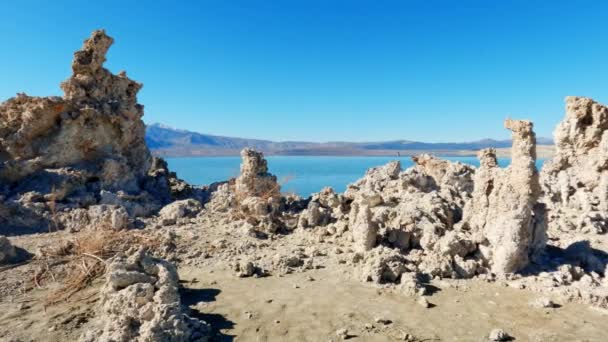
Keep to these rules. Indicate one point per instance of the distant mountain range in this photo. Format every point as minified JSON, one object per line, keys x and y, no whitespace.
{"x":171,"y":142}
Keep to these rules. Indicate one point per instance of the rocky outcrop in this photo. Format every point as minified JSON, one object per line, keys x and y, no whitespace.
{"x":575,"y":181}
{"x":325,"y":207}
{"x":96,"y":127}
{"x":254,"y":179}
{"x":171,"y":213}
{"x":7,"y":250}
{"x":254,"y":196}
{"x":96,"y":217}
{"x":409,"y":209}
{"x":140,"y":302}
{"x":503,"y":212}
{"x":61,"y":153}
{"x":448,"y":219}
{"x":365,"y":231}
{"x":164,"y":184}
{"x":413,"y":213}
{"x":446,"y":174}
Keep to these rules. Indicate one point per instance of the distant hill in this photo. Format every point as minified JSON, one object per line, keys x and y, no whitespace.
{"x":168,"y":141}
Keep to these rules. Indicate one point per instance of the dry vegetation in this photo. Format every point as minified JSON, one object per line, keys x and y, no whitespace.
{"x":75,"y":264}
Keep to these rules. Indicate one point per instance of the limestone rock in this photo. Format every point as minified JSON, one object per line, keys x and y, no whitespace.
{"x":254,"y":196}
{"x":102,"y":217}
{"x":414,"y":212}
{"x":7,"y":250}
{"x":246,"y":268}
{"x":382,"y":265}
{"x":371,"y":188}
{"x":178,"y":210}
{"x":254,"y":179}
{"x":324,"y":207}
{"x":222,"y":199}
{"x":498,"y":335}
{"x":364,"y":230}
{"x":456,"y":175}
{"x":423,"y":302}
{"x":503,"y":208}
{"x":98,"y":121}
{"x":543,"y":303}
{"x":140,"y":302}
{"x":575,"y":181}
{"x":69,"y":149}
{"x":161,"y":182}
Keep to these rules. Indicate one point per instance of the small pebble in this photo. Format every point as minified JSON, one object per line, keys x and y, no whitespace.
{"x":498,"y":335}
{"x":383,"y":321}
{"x":342,"y":333}
{"x":423,"y":302}
{"x":543,"y":303}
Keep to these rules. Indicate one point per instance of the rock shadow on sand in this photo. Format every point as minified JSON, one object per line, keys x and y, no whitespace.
{"x":218,"y":322}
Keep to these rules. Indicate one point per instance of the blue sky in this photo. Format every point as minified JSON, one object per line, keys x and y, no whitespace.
{"x":320,"y":70}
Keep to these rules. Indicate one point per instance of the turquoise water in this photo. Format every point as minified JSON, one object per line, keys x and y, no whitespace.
{"x":301,"y":175}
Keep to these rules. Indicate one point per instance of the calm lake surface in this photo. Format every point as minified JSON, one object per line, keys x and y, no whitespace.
{"x":301,"y":175}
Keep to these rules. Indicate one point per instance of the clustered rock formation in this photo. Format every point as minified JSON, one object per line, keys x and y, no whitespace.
{"x":140,"y":302}
{"x":448,"y":219}
{"x":441,"y":218}
{"x":80,"y":162}
{"x":77,"y":151}
{"x":254,"y":195}
{"x":575,"y":182}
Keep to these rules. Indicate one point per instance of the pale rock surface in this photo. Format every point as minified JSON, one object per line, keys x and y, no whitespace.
{"x":447,"y":174}
{"x":223,"y":199}
{"x":254,"y":196}
{"x":364,"y":229}
{"x":254,"y":179}
{"x":325,"y":207}
{"x":98,"y":122}
{"x":498,"y":335}
{"x":97,"y":217}
{"x":575,"y":181}
{"x":140,"y":302}
{"x":414,"y":213}
{"x":62,"y":153}
{"x":7,"y":250}
{"x":503,"y":211}
{"x":382,"y":265}
{"x":172,"y":212}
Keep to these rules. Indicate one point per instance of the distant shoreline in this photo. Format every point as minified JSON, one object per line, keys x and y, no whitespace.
{"x":543,"y":152}
{"x":170,"y":142}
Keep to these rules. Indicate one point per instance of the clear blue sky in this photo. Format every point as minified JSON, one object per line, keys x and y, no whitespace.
{"x":322,"y":70}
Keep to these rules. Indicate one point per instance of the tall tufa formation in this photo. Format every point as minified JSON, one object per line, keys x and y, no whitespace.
{"x":503,"y":212}
{"x":575,"y":182}
{"x":96,"y":127}
{"x":255,"y":180}
{"x":82,"y":149}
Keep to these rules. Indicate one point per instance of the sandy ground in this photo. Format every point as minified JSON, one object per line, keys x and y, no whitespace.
{"x":307,"y":305}
{"x":298,"y":308}
{"x":314,"y":305}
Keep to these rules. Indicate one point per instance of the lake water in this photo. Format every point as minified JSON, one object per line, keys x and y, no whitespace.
{"x":301,"y":175}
